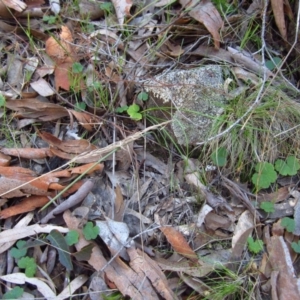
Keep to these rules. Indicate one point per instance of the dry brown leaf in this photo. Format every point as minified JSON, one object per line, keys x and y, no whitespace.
{"x":278,"y":11}
{"x":4,"y":159}
{"x":122,"y":8}
{"x":179,"y":243}
{"x":205,"y":13}
{"x":119,"y":205}
{"x":28,"y":204}
{"x":114,"y":272}
{"x":84,"y":168}
{"x":17,"y":5}
{"x":10,"y":188}
{"x":72,"y":146}
{"x":29,"y":153}
{"x":62,"y":75}
{"x":61,"y":50}
{"x":33,"y":108}
{"x":86,"y":120}
{"x":285,"y":285}
{"x":148,"y":269}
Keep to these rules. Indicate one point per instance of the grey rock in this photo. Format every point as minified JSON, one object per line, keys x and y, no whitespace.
{"x":191,"y":98}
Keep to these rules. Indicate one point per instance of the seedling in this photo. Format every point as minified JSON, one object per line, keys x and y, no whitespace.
{"x":90,"y":231}
{"x":143,"y":96}
{"x":264,"y":176}
{"x":296,"y":246}
{"x":268,"y":207}
{"x":132,"y":111}
{"x":72,"y":237}
{"x":288,"y":167}
{"x":14,"y":293}
{"x":77,"y":68}
{"x":29,"y":264}
{"x":288,"y":224}
{"x":58,"y":241}
{"x":19,"y":251}
{"x":49,"y":19}
{"x":255,"y":246}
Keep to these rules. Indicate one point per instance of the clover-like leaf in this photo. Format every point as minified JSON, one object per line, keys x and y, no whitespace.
{"x":288,"y":224}
{"x":90,"y":231}
{"x":121,"y":109}
{"x":264,"y":176}
{"x":133,"y":112}
{"x":296,"y":246}
{"x":268,"y":207}
{"x":77,"y":68}
{"x":143,"y":96}
{"x":14,"y":293}
{"x":20,"y":250}
{"x":28,"y":263}
{"x":255,"y":246}
{"x":72,"y":237}
{"x":288,"y":167}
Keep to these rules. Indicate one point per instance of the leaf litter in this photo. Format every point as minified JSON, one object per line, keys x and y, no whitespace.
{"x":153,"y":222}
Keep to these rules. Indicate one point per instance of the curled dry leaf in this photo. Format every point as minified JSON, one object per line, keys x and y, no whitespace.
{"x":17,"y":5}
{"x":205,"y":13}
{"x":179,"y":243}
{"x":4,"y":159}
{"x":29,"y":153}
{"x":28,"y":204}
{"x":33,"y":108}
{"x":72,"y":146}
{"x":88,"y":121}
{"x":278,"y":11}
{"x":122,"y":8}
{"x":60,"y":49}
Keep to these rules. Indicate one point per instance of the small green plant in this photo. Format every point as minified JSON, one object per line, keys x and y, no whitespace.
{"x":107,"y":7}
{"x":132,"y":111}
{"x":77,"y":68}
{"x":90,"y":231}
{"x":29,"y":264}
{"x":288,"y":167}
{"x":49,"y":19}
{"x":296,"y":246}
{"x":58,"y":241}
{"x":14,"y":293}
{"x":72,"y":237}
{"x":274,"y":63}
{"x":255,"y":246}
{"x":143,"y":96}
{"x":288,"y":224}
{"x":268,"y":207}
{"x":219,"y":157}
{"x":264,"y":175}
{"x":19,"y":251}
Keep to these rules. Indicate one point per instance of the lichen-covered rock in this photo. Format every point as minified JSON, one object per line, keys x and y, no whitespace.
{"x":192,"y":98}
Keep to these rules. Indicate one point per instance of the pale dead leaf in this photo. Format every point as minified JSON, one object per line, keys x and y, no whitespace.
{"x":20,"y":278}
{"x":17,"y":5}
{"x":69,"y":290}
{"x":122,"y":8}
{"x":10,"y":235}
{"x":278,"y":11}
{"x":205,"y":13}
{"x":42,"y":87}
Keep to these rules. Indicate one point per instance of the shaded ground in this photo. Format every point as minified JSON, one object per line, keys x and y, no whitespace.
{"x":99,"y":197}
